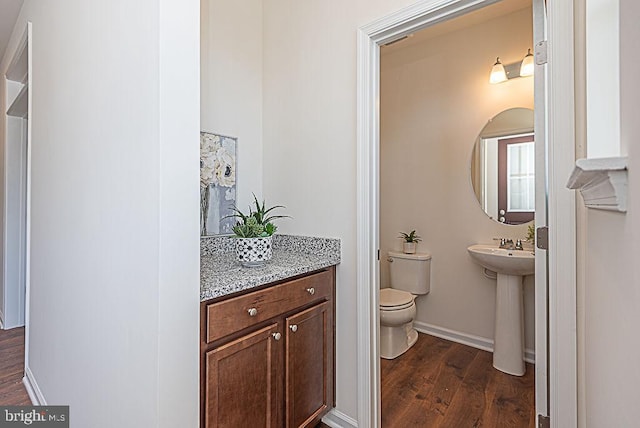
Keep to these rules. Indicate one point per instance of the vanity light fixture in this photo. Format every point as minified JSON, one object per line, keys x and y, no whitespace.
{"x":501,"y":73}
{"x":527,"y":66}
{"x":498,"y":74}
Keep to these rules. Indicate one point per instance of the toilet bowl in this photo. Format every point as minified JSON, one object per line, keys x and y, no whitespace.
{"x":397,"y":311}
{"x":410,"y":277}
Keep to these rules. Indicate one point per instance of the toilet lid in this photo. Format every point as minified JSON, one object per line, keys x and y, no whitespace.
{"x":395,"y":299}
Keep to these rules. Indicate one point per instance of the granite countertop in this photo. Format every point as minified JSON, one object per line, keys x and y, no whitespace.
{"x":221,"y":274}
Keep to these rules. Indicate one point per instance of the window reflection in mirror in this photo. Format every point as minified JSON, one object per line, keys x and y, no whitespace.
{"x":503,"y":165}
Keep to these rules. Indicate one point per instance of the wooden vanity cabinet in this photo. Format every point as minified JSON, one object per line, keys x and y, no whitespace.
{"x":247,"y":367}
{"x":277,"y":368}
{"x":308,"y":361}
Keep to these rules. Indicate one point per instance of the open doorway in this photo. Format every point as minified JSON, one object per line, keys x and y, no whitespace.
{"x":555,"y":370}
{"x":12,"y":305}
{"x":15,"y":214}
{"x":457,"y":165}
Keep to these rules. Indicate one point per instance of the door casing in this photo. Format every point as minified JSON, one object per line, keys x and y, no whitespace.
{"x":559,"y":129}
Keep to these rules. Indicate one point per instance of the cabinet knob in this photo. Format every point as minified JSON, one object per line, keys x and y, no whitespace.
{"x":276,"y":336}
{"x":252,"y":312}
{"x":311,"y":291}
{"x":293,"y":327}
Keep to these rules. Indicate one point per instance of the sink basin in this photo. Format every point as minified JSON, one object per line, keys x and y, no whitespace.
{"x":510,"y":266}
{"x":507,"y":262}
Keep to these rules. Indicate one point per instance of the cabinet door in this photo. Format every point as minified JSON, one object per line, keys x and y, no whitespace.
{"x":243,"y":381}
{"x":308,"y":365}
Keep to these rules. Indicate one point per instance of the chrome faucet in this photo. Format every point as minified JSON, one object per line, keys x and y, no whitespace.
{"x":519,"y":245}
{"x":506,"y":243}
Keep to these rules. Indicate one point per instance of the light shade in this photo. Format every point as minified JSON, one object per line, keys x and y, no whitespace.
{"x":497,"y":73}
{"x":527,"y":66}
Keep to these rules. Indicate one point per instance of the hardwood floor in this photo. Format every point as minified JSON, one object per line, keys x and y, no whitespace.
{"x":12,"y":391}
{"x":435,"y":384}
{"x":438,"y":383}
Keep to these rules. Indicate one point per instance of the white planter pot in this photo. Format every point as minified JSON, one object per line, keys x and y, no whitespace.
{"x":409,"y":247}
{"x":253,"y":252}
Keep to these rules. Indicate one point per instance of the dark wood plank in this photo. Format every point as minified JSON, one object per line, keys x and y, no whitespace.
{"x":12,"y":391}
{"x":438,"y":383}
{"x":430,"y":411}
{"x":474,"y":396}
{"x":513,"y":400}
{"x":400,"y":386}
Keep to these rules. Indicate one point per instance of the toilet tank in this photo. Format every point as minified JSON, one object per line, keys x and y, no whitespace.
{"x":410,"y":272}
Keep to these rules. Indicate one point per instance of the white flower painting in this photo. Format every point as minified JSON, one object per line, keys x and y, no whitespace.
{"x":217,"y":183}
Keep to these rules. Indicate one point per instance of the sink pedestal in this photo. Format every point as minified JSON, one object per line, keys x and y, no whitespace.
{"x":511,"y":266}
{"x":508,"y":345}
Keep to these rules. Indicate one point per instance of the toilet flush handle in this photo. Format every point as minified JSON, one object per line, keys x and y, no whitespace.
{"x":390,"y":260}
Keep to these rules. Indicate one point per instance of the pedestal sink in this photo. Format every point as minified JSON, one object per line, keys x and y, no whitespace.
{"x":511,"y":266}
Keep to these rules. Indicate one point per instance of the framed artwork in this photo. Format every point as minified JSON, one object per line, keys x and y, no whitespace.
{"x":217,"y":183}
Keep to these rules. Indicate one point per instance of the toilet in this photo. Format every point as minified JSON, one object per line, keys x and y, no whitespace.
{"x":410,"y":277}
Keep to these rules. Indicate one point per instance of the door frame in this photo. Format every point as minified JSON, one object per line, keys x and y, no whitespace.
{"x":560,"y":131}
{"x":25,"y":45}
{"x":28,"y":380}
{"x":15,"y":182}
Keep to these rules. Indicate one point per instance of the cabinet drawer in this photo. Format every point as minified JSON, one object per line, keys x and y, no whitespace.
{"x":238,"y":313}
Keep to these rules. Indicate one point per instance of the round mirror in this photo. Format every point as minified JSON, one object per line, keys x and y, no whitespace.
{"x":503,"y":167}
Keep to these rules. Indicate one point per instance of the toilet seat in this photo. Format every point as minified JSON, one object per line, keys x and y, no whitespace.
{"x":395,"y":300}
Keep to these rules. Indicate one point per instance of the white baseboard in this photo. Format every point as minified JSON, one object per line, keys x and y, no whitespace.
{"x":337,"y":419}
{"x":478,"y":342}
{"x":33,"y":389}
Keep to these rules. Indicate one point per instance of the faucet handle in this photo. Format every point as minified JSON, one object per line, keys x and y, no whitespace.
{"x":519,"y":244}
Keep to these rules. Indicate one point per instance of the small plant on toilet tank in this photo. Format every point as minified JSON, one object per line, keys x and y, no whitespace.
{"x":411,"y":239}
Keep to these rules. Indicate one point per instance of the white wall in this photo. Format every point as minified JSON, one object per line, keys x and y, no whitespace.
{"x":435,"y":100}
{"x":310,"y":139}
{"x":309,"y":165}
{"x":231,"y":67}
{"x":178,"y":325}
{"x":612,"y":277}
{"x":113,"y":326}
{"x":603,"y":78}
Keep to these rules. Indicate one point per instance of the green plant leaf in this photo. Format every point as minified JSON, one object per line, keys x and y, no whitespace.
{"x":410,"y":237}
{"x":270,"y":229}
{"x":256,"y":223}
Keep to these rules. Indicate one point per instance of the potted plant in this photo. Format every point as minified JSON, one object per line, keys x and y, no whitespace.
{"x":531,"y":234}
{"x":254,"y":232}
{"x":410,"y":241}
